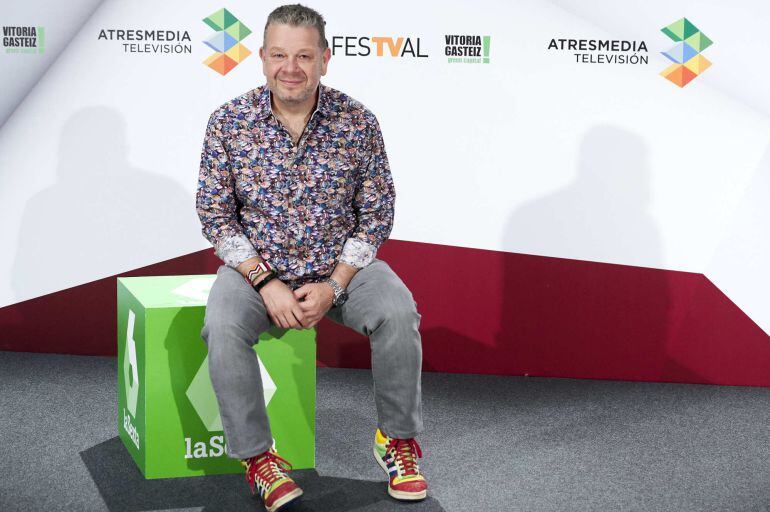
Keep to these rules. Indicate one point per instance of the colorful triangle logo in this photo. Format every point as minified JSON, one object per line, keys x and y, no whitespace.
{"x":226,"y":43}
{"x":688,"y":62}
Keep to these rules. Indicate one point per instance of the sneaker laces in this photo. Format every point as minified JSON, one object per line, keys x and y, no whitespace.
{"x":268,"y":468}
{"x":405,"y":454}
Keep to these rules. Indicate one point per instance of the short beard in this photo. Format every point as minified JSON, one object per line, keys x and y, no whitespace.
{"x":291,"y":100}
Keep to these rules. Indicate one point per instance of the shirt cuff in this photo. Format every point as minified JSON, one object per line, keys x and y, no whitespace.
{"x":235,"y":250}
{"x":357,"y":253}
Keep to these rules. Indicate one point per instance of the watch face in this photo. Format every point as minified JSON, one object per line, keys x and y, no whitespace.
{"x":341,"y":299}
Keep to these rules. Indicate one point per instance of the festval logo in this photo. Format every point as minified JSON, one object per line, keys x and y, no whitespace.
{"x":226,"y":42}
{"x":686,"y":53}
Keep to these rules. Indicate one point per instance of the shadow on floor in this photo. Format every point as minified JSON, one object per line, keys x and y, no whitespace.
{"x":123,"y":488}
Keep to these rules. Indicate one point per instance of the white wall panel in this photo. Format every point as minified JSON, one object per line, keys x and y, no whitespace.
{"x":532,"y":153}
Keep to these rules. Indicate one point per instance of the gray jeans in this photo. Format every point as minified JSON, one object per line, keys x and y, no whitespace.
{"x":379,"y":306}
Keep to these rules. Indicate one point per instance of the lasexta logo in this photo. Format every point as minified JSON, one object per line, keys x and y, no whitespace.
{"x":130,"y":367}
{"x":204,"y":401}
{"x":131,"y":381}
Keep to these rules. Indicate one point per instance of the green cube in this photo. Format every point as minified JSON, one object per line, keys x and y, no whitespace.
{"x":168,"y":417}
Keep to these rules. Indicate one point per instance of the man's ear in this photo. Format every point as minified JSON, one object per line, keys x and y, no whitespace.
{"x":327,"y":55}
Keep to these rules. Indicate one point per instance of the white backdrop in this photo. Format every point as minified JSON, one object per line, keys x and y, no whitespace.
{"x":532,"y":153}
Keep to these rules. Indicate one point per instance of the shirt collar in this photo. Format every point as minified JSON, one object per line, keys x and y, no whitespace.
{"x":264,"y":108}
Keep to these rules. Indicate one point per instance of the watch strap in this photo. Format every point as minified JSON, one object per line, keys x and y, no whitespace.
{"x":335,"y":286}
{"x":338,"y":291}
{"x":263,"y":282}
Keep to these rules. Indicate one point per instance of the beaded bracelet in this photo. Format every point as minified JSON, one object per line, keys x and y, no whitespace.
{"x":259,"y":270}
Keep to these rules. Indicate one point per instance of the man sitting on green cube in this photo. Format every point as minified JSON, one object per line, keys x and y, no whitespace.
{"x":296,"y":195}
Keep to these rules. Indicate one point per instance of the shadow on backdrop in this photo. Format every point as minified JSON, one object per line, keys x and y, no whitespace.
{"x":123,"y":488}
{"x":96,"y":194}
{"x":573,"y":317}
{"x":97,"y":191}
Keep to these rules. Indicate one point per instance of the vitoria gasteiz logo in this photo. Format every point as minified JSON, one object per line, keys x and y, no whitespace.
{"x":24,"y":39}
{"x":226,"y":43}
{"x":686,"y":53}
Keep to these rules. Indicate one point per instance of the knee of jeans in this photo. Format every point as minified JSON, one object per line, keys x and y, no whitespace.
{"x":217,"y":331}
{"x":403,"y":310}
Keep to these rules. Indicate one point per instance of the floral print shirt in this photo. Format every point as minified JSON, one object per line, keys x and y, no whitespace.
{"x":302,"y":207}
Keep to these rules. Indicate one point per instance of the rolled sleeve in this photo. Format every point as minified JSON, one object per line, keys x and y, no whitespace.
{"x":216,"y":203}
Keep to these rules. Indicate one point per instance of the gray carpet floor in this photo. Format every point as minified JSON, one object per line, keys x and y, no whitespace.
{"x":491,"y":443}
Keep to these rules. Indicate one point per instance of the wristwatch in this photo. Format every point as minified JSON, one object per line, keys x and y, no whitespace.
{"x":340,"y":295}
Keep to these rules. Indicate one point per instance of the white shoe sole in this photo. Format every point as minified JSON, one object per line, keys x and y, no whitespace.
{"x":399,"y":495}
{"x":296,"y":493}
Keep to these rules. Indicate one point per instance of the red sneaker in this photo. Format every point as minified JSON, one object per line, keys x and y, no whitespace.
{"x":398,"y":458}
{"x":266,"y":474}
